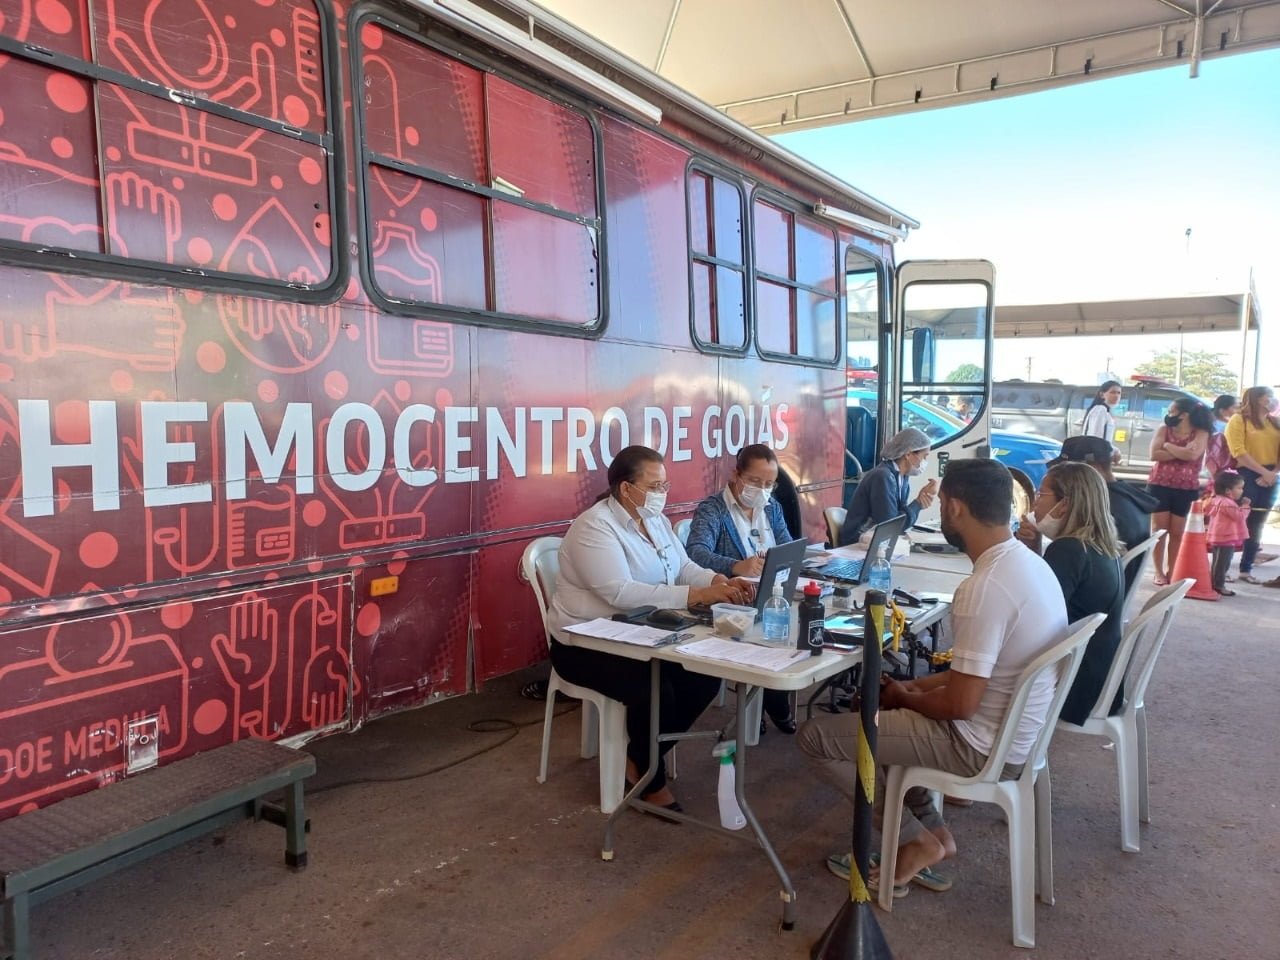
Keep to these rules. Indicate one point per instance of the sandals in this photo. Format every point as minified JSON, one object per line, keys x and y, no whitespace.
{"x":1160,"y":581}
{"x":840,"y":865}
{"x":1250,"y":578}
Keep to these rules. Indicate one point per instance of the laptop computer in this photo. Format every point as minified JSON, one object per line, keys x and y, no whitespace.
{"x":856,"y":571}
{"x":781,"y":565}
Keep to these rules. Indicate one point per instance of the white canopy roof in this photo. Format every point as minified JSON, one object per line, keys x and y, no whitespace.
{"x":804,"y":63}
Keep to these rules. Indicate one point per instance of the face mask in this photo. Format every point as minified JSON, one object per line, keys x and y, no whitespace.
{"x":917,"y":469}
{"x":753,"y":498}
{"x":1050,"y":526}
{"x":1172,"y":421}
{"x":655,"y":501}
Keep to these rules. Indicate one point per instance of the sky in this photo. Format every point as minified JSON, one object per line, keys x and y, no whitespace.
{"x":1086,"y":193}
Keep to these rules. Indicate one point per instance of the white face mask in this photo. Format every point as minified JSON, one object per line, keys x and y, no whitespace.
{"x":918,"y":468}
{"x":1050,"y":525}
{"x":754,"y":498}
{"x":655,"y":501}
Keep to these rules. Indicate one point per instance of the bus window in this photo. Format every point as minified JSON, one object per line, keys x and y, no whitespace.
{"x":863,"y":324}
{"x":480,"y":195}
{"x":796,"y":297}
{"x":944,"y":356}
{"x":228,"y":183}
{"x":717,"y":261}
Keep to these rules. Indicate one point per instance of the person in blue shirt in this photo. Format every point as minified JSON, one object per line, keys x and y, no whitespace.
{"x":885,"y":491}
{"x":732,"y":529}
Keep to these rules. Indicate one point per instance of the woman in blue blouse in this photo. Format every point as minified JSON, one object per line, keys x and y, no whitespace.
{"x":884,"y":492}
{"x":731,"y":531}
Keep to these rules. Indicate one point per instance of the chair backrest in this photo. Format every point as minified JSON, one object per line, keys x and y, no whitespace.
{"x":1063,"y":658}
{"x":1140,"y":645}
{"x":835,"y":520}
{"x":1142,"y":554}
{"x":540,"y":567}
{"x":682,"y":529}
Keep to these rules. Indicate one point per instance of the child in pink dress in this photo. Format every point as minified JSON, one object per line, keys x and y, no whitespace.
{"x":1227,"y":511}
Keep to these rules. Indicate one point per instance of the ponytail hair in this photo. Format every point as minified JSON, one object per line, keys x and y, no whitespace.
{"x":1098,"y":399}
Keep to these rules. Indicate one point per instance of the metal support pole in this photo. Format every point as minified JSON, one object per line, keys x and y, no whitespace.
{"x":855,"y":933}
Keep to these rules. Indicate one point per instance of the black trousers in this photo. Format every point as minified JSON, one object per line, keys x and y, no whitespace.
{"x":682,"y":696}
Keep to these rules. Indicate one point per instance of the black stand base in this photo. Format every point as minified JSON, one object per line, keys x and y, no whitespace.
{"x":854,"y":934}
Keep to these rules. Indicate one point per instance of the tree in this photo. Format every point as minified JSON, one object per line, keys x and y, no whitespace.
{"x":965,"y":373}
{"x":1203,"y":373}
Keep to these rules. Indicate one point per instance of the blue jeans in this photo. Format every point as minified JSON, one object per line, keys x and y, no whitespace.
{"x":1262,"y":499}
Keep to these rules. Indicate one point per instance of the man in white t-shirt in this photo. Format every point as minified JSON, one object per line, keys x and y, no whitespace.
{"x":1004,"y":616}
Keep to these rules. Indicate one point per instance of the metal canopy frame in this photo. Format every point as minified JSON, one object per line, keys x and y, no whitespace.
{"x":793,"y":64}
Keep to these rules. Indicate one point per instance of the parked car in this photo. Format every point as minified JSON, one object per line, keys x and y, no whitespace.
{"x":1057,"y":410}
{"x":1019,"y":450}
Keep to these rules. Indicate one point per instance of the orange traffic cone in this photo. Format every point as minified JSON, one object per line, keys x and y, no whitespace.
{"x":1193,"y":558}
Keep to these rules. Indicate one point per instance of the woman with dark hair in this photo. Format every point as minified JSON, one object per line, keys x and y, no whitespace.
{"x":1178,"y":451}
{"x":1098,"y":421}
{"x":1084,"y":553}
{"x":1253,"y":437}
{"x":1217,"y":456}
{"x":731,"y":531}
{"x":621,"y":553}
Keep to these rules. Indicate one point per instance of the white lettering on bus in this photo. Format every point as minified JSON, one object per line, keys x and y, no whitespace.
{"x":515,"y":449}
{"x":356,"y":459}
{"x":162,"y":453}
{"x":582,"y":430}
{"x":456,"y":444}
{"x":41,"y":456}
{"x":413,"y":414}
{"x":241,"y":427}
{"x":335,"y":446}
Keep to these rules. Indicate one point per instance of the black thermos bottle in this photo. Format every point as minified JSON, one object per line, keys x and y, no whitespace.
{"x":812,"y":616}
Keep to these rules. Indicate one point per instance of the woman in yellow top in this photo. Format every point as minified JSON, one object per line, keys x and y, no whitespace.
{"x":1253,"y":437}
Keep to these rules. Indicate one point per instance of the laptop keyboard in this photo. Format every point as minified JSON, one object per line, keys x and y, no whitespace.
{"x":841,"y":569}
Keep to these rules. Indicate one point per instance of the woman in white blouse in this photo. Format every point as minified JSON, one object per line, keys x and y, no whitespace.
{"x":619,"y":554}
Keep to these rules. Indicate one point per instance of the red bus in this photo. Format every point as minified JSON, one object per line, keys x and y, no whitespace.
{"x":313,"y":314}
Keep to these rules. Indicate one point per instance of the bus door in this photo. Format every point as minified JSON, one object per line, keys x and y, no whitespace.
{"x":943,"y":331}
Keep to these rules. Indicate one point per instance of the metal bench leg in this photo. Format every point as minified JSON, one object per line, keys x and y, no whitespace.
{"x":17,"y":939}
{"x":295,"y":835}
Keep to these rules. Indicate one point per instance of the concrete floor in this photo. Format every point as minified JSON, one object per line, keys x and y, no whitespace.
{"x":476,"y":860}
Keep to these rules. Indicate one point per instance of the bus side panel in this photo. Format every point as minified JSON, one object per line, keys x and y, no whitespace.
{"x":508,"y":630}
{"x":410,"y":646}
{"x":270,"y":662}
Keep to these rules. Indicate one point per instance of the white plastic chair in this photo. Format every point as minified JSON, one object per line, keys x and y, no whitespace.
{"x":1143,"y":551}
{"x":682,"y":530}
{"x":835,"y":520}
{"x":539,"y":567}
{"x":1134,"y":663}
{"x":1028,"y":810}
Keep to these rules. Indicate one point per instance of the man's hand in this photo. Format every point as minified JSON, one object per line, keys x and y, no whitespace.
{"x":750,"y":567}
{"x":892,"y":693}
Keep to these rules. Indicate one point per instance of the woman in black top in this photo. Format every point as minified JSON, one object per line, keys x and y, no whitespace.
{"x":1071,"y":509}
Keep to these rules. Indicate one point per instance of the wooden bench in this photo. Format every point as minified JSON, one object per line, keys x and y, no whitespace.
{"x":75,"y":841}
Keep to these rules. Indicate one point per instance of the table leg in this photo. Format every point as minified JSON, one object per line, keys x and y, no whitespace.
{"x":295,"y":822}
{"x":633,"y":795}
{"x":17,"y":937}
{"x":740,"y":781}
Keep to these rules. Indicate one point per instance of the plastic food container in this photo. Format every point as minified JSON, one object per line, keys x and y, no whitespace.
{"x":732,"y":619}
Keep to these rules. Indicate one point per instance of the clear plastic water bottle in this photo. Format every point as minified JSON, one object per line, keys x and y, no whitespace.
{"x":881,"y":575}
{"x":731,"y":817}
{"x":776,"y":616}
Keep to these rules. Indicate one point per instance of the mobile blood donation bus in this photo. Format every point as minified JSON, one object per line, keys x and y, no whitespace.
{"x":314,"y":314}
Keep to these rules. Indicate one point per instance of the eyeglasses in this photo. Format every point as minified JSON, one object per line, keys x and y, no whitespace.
{"x":757,"y":482}
{"x":658,"y":486}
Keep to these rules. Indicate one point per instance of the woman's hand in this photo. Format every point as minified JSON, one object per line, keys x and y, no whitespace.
{"x":1029,"y":535}
{"x":927,"y":494}
{"x":750,"y":567}
{"x":726,"y":591}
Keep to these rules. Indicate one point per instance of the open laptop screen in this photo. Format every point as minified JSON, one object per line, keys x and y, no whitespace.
{"x":781,"y":565}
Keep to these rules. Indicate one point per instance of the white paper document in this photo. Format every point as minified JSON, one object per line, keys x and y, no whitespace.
{"x":638,"y":634}
{"x":748,"y":654}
